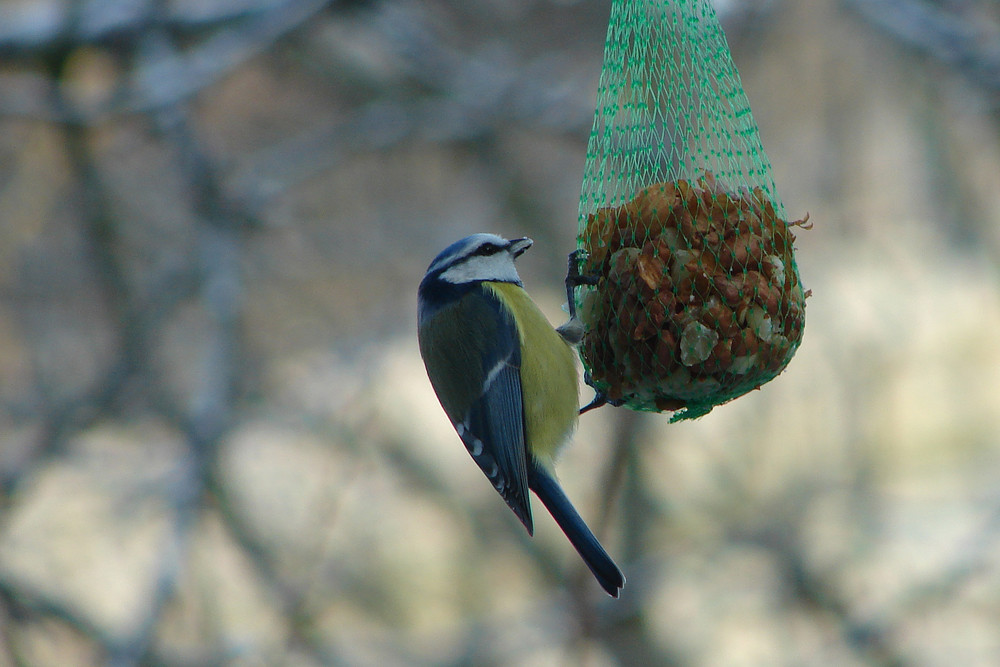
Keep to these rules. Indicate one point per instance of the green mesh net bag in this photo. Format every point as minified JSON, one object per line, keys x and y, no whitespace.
{"x":698,"y":298}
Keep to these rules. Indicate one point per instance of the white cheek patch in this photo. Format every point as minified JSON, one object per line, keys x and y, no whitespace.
{"x":499,"y":267}
{"x":464,"y":247}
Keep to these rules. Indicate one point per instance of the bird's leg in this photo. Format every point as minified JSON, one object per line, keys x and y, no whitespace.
{"x":600,"y":396}
{"x":574,"y":279}
{"x":572,"y":331}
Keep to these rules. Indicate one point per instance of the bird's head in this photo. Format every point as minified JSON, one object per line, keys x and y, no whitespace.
{"x":478,"y":257}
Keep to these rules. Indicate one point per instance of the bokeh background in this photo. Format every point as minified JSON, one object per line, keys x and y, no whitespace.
{"x":217,"y":442}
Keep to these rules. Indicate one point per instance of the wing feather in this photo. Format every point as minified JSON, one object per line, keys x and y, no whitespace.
{"x":472,"y":352}
{"x":495,"y":428}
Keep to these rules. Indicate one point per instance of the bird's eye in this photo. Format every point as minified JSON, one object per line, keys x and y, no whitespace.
{"x":488,"y":249}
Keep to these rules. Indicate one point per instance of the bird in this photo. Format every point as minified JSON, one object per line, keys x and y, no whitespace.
{"x":507,"y":380}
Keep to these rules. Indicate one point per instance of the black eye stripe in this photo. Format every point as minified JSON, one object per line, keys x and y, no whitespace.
{"x":488,"y":249}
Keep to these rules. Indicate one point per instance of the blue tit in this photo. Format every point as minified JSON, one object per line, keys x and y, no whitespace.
{"x":507,"y":380}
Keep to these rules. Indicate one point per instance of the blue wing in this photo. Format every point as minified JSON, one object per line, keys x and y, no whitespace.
{"x":472,"y":351}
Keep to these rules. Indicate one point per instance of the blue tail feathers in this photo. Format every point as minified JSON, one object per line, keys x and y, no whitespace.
{"x":597,"y":559}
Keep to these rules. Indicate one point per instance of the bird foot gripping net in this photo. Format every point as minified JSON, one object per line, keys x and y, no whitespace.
{"x":697,"y":297}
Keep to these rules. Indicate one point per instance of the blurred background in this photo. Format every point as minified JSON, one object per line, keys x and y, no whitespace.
{"x":218,"y":445}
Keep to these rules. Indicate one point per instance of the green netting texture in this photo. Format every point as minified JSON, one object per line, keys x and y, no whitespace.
{"x":698,"y":298}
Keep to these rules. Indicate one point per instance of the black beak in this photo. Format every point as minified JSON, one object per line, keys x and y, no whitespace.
{"x":518,"y":246}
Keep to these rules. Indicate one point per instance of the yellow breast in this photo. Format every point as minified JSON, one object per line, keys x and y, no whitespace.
{"x":548,"y":375}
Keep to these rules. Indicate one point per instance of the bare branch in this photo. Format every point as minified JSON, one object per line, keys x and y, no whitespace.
{"x":158,"y":83}
{"x":969,"y":43}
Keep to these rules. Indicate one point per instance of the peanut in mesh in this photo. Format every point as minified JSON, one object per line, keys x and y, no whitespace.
{"x":698,"y":299}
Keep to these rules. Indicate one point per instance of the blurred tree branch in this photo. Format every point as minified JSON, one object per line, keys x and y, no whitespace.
{"x":964,"y":35}
{"x":226,"y":34}
{"x":818,"y":592}
{"x":401,"y":73}
{"x":163,"y":80}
